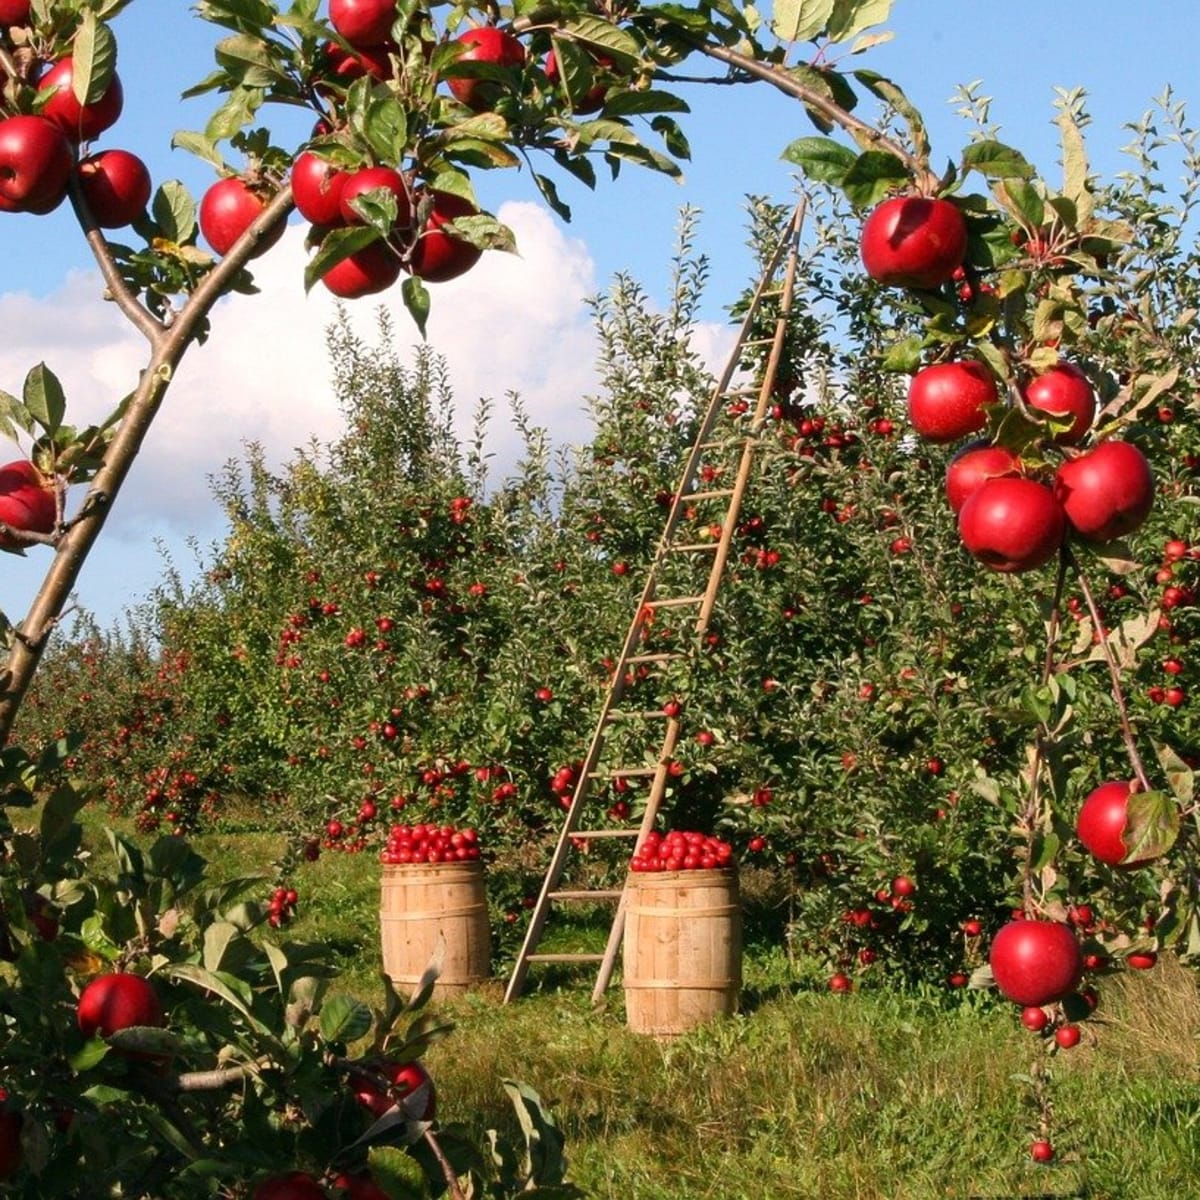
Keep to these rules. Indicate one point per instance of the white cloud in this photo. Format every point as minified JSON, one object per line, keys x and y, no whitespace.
{"x":517,"y":323}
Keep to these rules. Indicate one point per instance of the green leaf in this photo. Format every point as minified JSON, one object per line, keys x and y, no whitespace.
{"x":851,"y":17}
{"x":59,"y":813}
{"x":672,"y":136}
{"x":1180,"y":777}
{"x":129,"y":859}
{"x":800,"y":20}
{"x":543,"y":1139}
{"x":1043,"y":850}
{"x":174,"y":212}
{"x":344,"y":1019}
{"x":44,"y":398}
{"x":339,"y":244}
{"x":1076,"y":182}
{"x":903,"y":356}
{"x":398,"y":1173}
{"x":235,"y":114}
{"x":93,"y":58}
{"x":994,"y":160}
{"x":217,"y":939}
{"x":549,"y":193}
{"x":93,"y":1051}
{"x":821,"y":159}
{"x":201,"y":147}
{"x":890,"y":93}
{"x":628,"y":104}
{"x":1021,"y":199}
{"x":603,"y":35}
{"x":873,"y":174}
{"x":222,"y":986}
{"x":385,"y":126}
{"x":1151,"y":825}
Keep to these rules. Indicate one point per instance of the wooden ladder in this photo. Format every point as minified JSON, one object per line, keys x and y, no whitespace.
{"x":727,"y":392}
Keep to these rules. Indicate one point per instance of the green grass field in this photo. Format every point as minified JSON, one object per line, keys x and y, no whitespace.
{"x":871,"y":1095}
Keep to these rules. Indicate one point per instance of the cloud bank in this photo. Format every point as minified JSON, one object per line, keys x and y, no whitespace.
{"x":514,"y":323}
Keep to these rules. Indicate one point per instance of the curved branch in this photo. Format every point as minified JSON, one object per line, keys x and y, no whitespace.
{"x":118,"y":289}
{"x":864,"y":134}
{"x":168,"y":347}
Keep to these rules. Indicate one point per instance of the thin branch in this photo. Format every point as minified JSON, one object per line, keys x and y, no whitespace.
{"x":167,"y":349}
{"x":1114,"y":671}
{"x":456,"y":1193}
{"x":118,"y":289}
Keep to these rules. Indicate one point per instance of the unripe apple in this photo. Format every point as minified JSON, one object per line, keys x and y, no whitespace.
{"x":1064,"y":391}
{"x":363,"y":22}
{"x":492,"y":46}
{"x":116,"y":186}
{"x":438,"y":255}
{"x":1106,"y":493}
{"x":913,"y":241}
{"x":947,"y":400}
{"x":27,"y":503}
{"x":974,"y":464}
{"x":228,"y":209}
{"x":80,"y":122}
{"x":35,"y":165}
{"x":1012,"y":525}
{"x":365,"y":273}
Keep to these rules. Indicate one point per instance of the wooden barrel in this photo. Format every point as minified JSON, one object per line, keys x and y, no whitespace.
{"x":420,"y":902}
{"x":682,"y":950}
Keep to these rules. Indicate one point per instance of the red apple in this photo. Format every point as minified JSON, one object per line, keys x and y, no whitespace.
{"x":972,"y":465}
{"x":368,"y":179}
{"x":1012,"y":525}
{"x":1101,"y":824}
{"x":593,"y":99}
{"x":946,"y":401}
{"x":80,"y":122}
{"x":14,"y":12}
{"x":1064,"y":391}
{"x":365,"y":273}
{"x":116,"y":186}
{"x":1107,"y":492}
{"x":491,"y":46}
{"x":27,"y":503}
{"x":411,"y":1085}
{"x":10,"y":1139}
{"x":359,"y":1187}
{"x":438,"y":255}
{"x":345,"y":67}
{"x":228,"y":209}
{"x":913,"y":241}
{"x":35,"y":165}
{"x":363,"y":22}
{"x":117,"y":1001}
{"x":296,"y":1185}
{"x":1036,"y":962}
{"x":317,"y":189}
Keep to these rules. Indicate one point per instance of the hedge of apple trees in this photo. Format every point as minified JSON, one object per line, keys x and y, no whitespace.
{"x":898,"y":733}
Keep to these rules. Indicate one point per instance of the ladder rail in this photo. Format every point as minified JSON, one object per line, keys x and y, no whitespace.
{"x":788,"y":243}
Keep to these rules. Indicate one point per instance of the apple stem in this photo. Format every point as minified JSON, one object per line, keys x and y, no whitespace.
{"x":1114,"y":671}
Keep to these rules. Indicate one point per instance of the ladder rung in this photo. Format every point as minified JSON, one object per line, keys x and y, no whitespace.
{"x":743,"y":391}
{"x":564,"y":958}
{"x":718,"y":494}
{"x":606,"y":894}
{"x":652,"y":658}
{"x":687,"y":546}
{"x":762,"y":341}
{"x":626,"y":772}
{"x":647,"y":714}
{"x":605,"y":833}
{"x":676,"y":601}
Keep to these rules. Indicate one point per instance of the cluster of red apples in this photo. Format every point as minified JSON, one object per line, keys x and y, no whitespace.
{"x":677,"y":850}
{"x":1011,"y":516}
{"x":429,"y":844}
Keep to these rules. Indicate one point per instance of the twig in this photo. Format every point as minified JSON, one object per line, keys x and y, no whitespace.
{"x":456,"y":1193}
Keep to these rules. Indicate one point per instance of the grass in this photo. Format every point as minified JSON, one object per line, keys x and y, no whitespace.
{"x":896,"y":1096}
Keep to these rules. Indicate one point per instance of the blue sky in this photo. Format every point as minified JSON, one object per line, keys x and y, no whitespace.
{"x":536,"y":336}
